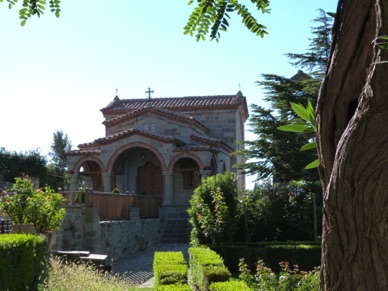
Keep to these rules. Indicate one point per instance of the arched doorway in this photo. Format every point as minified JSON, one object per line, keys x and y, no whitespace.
{"x":137,"y":171}
{"x":186,"y":178}
{"x":90,"y":176}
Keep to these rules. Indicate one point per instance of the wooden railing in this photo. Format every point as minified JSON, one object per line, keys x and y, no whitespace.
{"x":115,"y":206}
{"x":75,"y":198}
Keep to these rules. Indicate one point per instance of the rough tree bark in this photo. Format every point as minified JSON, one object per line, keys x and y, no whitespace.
{"x":352,"y":115}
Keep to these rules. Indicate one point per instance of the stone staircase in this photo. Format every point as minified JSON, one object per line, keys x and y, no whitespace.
{"x":176,"y":231}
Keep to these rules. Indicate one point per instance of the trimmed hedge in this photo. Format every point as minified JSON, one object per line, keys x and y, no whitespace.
{"x":206,"y":267}
{"x":306,"y":255}
{"x":170,"y":268}
{"x":22,"y":263}
{"x":229,"y":286}
{"x":179,"y":287}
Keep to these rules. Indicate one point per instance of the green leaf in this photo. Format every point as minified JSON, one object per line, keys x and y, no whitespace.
{"x":309,"y":146}
{"x":295,"y":127}
{"x":23,"y":22}
{"x":312,"y":165}
{"x":301,"y":111}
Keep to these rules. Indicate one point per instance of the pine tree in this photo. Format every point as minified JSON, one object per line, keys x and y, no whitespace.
{"x":58,"y":176}
{"x":316,"y":57}
{"x":276,"y":154}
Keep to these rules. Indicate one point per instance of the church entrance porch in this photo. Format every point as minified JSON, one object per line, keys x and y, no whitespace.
{"x":137,"y":171}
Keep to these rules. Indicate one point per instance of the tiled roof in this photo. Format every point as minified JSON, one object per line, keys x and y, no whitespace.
{"x":179,"y":104}
{"x":90,"y":151}
{"x":193,"y":148}
{"x":112,"y":138}
{"x":155,"y":111}
{"x":211,"y":142}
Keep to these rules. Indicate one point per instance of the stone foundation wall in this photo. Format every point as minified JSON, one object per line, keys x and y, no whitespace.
{"x":82,"y":229}
{"x":122,"y":238}
{"x":69,"y":236}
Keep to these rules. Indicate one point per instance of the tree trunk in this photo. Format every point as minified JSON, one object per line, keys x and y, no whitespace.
{"x":352,"y":116}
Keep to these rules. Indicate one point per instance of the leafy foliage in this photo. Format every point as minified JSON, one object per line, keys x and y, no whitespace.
{"x":14,"y":164}
{"x":170,"y":268}
{"x":290,"y":278}
{"x":23,"y":262}
{"x":276,"y":154}
{"x":382,"y":41}
{"x":41,"y":207}
{"x":57,"y":169}
{"x":17,"y":206}
{"x":210,"y":17}
{"x":309,"y":125}
{"x":213,"y":209}
{"x":274,"y":212}
{"x":34,"y":7}
{"x":220,"y":213}
{"x":46,"y":210}
{"x":317,"y":55}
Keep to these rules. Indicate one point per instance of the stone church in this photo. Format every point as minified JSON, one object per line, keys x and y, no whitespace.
{"x":162,"y":146}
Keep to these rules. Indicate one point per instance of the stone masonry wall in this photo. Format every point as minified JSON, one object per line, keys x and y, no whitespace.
{"x":122,"y":238}
{"x":81,"y":229}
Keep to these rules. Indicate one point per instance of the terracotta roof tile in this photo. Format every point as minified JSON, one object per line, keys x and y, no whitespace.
{"x":211,"y":141}
{"x":90,"y":151}
{"x":112,"y":138}
{"x":179,"y":104}
{"x":157,"y":111}
{"x":192,"y":147}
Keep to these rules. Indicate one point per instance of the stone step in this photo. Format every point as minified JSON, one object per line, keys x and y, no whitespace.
{"x":176,"y":231}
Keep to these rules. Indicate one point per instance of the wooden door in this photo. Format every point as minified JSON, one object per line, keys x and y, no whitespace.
{"x":149,"y":180}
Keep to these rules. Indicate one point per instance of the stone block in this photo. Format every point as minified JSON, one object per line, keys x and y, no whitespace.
{"x":91,"y":215}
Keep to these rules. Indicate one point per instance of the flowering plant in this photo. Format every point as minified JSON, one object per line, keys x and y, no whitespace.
{"x":46,"y":210}
{"x":288,"y":279}
{"x":16,"y":205}
{"x":41,"y":207}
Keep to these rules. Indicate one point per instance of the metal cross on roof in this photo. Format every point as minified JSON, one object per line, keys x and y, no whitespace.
{"x":149,"y":95}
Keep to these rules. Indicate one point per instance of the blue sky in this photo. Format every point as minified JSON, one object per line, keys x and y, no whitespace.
{"x":57,"y":73}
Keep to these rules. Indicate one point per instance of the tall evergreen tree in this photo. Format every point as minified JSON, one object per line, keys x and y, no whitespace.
{"x":276,"y":154}
{"x":58,"y":176}
{"x":317,"y":55}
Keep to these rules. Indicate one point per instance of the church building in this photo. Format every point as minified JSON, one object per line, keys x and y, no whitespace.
{"x":162,"y":146}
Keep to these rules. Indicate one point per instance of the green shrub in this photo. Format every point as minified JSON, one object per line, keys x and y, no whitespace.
{"x":288,"y":279}
{"x":175,"y":287}
{"x":229,"y":286}
{"x":170,"y":268}
{"x":169,"y":258}
{"x":307,"y":255}
{"x":41,"y":207}
{"x":22,"y":263}
{"x":206,"y":267}
{"x":213,"y":209}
